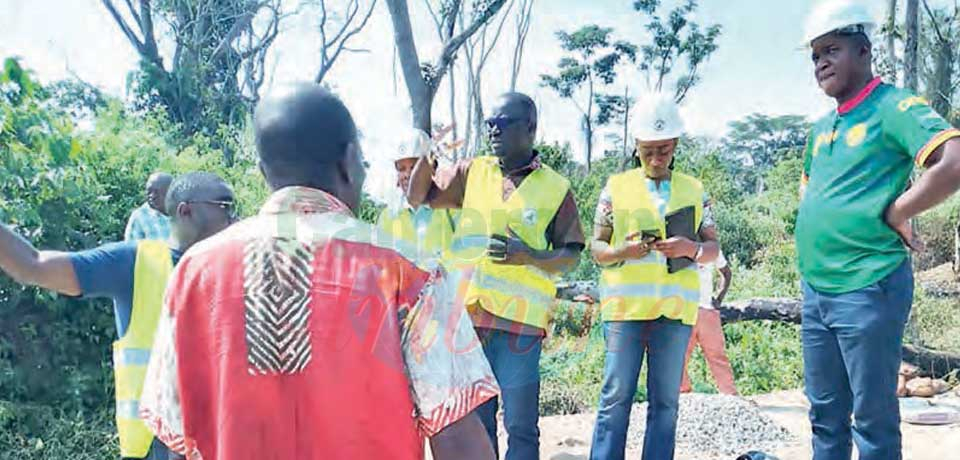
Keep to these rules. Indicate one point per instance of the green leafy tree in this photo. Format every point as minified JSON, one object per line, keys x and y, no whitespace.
{"x":757,"y":143}
{"x":675,"y":38}
{"x":591,"y":64}
{"x":218,"y":63}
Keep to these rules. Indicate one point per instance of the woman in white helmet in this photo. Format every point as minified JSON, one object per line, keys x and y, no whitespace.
{"x":853,"y":234}
{"x":649,"y":286}
{"x":428,"y":232}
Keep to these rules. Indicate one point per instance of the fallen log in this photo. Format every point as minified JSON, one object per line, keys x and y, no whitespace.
{"x":932,"y":363}
{"x":786,"y":310}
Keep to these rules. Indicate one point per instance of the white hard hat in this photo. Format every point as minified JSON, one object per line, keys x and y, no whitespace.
{"x":414,"y":144}
{"x":657,"y":118}
{"x":838,"y":16}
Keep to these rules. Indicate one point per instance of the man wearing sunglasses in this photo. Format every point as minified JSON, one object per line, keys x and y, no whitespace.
{"x":518,"y":231}
{"x":134,"y":275}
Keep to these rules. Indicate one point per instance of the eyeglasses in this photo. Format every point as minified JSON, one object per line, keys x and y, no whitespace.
{"x":500,"y":123}
{"x":227,"y":206}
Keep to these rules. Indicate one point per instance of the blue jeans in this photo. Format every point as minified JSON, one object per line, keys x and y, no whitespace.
{"x":515,"y":360}
{"x":665,"y":344}
{"x":158,"y":451}
{"x":851,"y":354}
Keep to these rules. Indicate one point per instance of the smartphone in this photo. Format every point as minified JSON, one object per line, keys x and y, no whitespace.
{"x":649,"y":236}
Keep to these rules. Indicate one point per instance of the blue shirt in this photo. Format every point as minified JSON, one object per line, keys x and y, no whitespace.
{"x":107,"y":272}
{"x":147,"y":223}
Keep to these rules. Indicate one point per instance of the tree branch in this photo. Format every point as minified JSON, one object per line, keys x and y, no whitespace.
{"x":341,"y":46}
{"x":453,"y":45}
{"x":436,"y":19}
{"x":133,"y":12}
{"x":352,"y":8}
{"x":146,"y":28}
{"x":523,"y":28}
{"x":131,"y":35}
{"x":933,"y":20}
{"x":450,"y":19}
{"x":241,"y":23}
{"x":485,"y":54}
{"x":272,"y":31}
{"x":323,"y":26}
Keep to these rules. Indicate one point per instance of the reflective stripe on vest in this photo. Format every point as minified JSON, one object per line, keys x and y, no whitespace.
{"x":131,"y":354}
{"x":643,"y":289}
{"x":523,"y":294}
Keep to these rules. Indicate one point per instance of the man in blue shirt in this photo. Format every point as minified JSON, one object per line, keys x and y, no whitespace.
{"x":201,"y":204}
{"x":150,"y":221}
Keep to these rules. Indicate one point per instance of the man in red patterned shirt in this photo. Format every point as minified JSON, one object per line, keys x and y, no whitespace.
{"x":295,"y":335}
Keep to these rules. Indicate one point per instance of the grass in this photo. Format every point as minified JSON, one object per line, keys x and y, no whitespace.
{"x":765,"y":356}
{"x":33,"y":432}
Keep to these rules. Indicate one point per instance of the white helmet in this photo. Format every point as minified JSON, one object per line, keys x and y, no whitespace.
{"x":838,"y":16}
{"x":656,"y":118}
{"x":415,"y":144}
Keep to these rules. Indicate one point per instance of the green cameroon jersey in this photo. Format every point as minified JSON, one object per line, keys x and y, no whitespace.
{"x":858,"y":161}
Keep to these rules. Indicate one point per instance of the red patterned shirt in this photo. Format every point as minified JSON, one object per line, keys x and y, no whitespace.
{"x":295,"y":335}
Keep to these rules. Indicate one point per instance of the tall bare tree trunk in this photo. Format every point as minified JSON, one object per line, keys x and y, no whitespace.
{"x":588,"y":124}
{"x":892,"y":41}
{"x":910,"y":76}
{"x":453,"y":105}
{"x":626,"y":122}
{"x":941,"y":88}
{"x":423,"y":78}
{"x":421,"y":96}
{"x":524,"y":20}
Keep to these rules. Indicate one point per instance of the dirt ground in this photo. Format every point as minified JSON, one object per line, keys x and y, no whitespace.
{"x":567,"y":437}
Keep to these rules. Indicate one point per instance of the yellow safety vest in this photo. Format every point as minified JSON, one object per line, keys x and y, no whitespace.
{"x":427,"y":242}
{"x":131,"y":353}
{"x":522,"y":294}
{"x":643,"y":289}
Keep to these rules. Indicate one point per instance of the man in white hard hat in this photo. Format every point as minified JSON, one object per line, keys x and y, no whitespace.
{"x":428,"y":231}
{"x":649,"y":305}
{"x":853,"y":234}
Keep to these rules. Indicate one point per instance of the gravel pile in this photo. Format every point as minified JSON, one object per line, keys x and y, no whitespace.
{"x":716,"y":425}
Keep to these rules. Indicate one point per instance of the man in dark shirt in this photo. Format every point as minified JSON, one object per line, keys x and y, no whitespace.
{"x":521,"y":218}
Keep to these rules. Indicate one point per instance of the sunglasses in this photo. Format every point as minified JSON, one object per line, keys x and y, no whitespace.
{"x":227,"y":206}
{"x":501,"y":123}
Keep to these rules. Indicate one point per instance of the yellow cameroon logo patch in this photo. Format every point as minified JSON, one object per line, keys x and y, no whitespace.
{"x":856,"y":135}
{"x":905,"y":104}
{"x":823,"y":139}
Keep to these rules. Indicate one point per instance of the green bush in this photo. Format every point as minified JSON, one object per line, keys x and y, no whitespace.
{"x":30,"y":432}
{"x":934,"y":322}
{"x":938,"y":229}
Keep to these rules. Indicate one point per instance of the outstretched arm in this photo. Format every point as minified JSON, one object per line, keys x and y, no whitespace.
{"x":25,"y":264}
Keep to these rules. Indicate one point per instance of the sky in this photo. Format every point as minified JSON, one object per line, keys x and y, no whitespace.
{"x":757,"y":68}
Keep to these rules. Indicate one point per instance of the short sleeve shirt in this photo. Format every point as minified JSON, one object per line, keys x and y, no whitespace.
{"x":603,"y":216}
{"x":857,"y":162}
{"x":706,"y":279}
{"x":309,"y":333}
{"x":107,"y":272}
{"x":147,"y":223}
{"x":660,"y":193}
